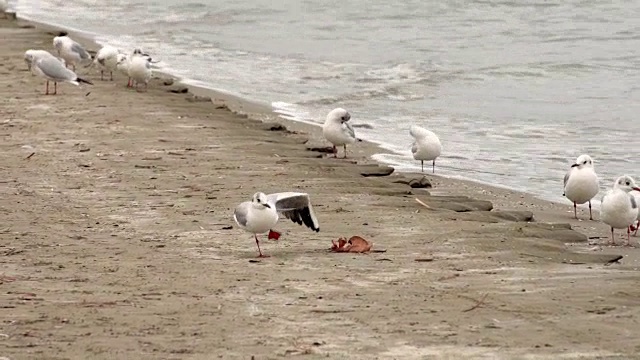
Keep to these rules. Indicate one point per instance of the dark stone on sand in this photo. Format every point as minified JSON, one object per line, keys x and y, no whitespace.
{"x":168,"y":82}
{"x":274,"y":127}
{"x":457,"y":203}
{"x":417,"y":183}
{"x":362,"y":126}
{"x":196,"y":98}
{"x":518,"y":216}
{"x":550,"y":231}
{"x":375,"y":170}
{"x":322,"y":149}
{"x":179,"y":90}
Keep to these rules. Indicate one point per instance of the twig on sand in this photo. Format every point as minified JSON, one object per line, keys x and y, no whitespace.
{"x":30,"y":155}
{"x":477,"y":304}
{"x":423,"y":204}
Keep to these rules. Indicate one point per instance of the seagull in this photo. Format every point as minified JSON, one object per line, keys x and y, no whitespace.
{"x":581,"y":183}
{"x":426,"y":146}
{"x":139,"y":68}
{"x":619,"y":209}
{"x":107,"y":59}
{"x":72,"y":52}
{"x":52,"y":69}
{"x":261,"y":213}
{"x":337,"y":130}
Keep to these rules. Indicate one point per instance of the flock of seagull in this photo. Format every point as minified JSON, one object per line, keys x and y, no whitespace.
{"x":137,"y":65}
{"x":619,"y":208}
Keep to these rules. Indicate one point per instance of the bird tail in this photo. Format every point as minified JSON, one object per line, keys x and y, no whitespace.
{"x":81,"y":80}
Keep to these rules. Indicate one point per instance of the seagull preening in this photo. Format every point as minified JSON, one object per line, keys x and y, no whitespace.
{"x":261,"y":213}
{"x":45,"y":65}
{"x":581,"y":183}
{"x":107,"y":59}
{"x":619,"y":208}
{"x":426,"y":146}
{"x":136,"y":66}
{"x":338,"y":131}
{"x":72,"y":52}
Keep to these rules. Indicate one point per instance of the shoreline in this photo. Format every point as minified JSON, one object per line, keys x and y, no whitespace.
{"x":266,"y":112}
{"x":120,"y":242}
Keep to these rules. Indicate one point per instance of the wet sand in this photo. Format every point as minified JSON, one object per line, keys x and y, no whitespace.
{"x":118,"y":242}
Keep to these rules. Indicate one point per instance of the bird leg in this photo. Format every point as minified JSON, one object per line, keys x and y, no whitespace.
{"x":335,"y":151}
{"x":575,"y":210}
{"x":102,"y":75}
{"x":422,"y":164}
{"x":111,"y":75}
{"x":261,"y":255}
{"x":274,"y":235}
{"x":129,"y":84}
{"x":637,"y":226}
{"x":345,"y":151}
{"x":434,"y":166}
{"x":612,"y":242}
{"x":46,"y":91}
{"x":55,"y":88}
{"x":590,"y":214}
{"x":628,"y":243}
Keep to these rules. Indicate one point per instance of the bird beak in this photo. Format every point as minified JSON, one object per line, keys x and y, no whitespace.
{"x":574,"y":165}
{"x":635,"y":188}
{"x":267,"y":206}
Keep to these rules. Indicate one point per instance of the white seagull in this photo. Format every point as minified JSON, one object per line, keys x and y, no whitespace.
{"x":337,"y":130}
{"x":581,"y":183}
{"x":426,"y":146}
{"x":107,"y":59}
{"x":139,"y":68}
{"x":261,"y":213}
{"x":619,"y":209}
{"x":51,"y":68}
{"x":72,"y":52}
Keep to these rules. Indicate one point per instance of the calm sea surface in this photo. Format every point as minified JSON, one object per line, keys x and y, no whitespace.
{"x":516,"y":90}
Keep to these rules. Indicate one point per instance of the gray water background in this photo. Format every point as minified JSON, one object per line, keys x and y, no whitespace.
{"x":516,"y":90}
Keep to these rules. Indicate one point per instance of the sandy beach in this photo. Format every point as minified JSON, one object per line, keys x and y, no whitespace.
{"x":118,"y":242}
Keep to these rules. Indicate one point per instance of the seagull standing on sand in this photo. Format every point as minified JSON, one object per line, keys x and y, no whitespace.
{"x":52,"y":69}
{"x":581,"y":183}
{"x":72,"y":52}
{"x":261,"y":213}
{"x":140,"y":68}
{"x":337,"y":130}
{"x":426,"y":146}
{"x":107,"y":59}
{"x":619,"y":209}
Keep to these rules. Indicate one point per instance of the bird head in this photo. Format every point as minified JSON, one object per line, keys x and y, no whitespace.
{"x":583,"y":161}
{"x":625,"y":183}
{"x":339,"y":115}
{"x":259,"y":201}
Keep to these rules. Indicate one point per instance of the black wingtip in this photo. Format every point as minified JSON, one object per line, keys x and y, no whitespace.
{"x":80,"y":80}
{"x":318,"y":230}
{"x":63,"y":33}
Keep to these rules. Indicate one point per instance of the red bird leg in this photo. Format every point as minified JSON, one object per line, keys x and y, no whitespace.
{"x":261,"y":255}
{"x":46,"y":90}
{"x":590,"y":215}
{"x":274,"y":235}
{"x":345,"y":151}
{"x":575,"y":210}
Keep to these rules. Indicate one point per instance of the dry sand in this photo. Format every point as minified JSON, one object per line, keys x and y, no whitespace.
{"x":116,"y":243}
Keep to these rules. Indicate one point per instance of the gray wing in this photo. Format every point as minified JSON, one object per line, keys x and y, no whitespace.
{"x":77,"y":48}
{"x":240,"y":213}
{"x":53,"y":68}
{"x":634,"y":205}
{"x":296,"y":207}
{"x":349,"y":130}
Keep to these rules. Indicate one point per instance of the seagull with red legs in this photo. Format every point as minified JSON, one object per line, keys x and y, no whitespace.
{"x":261,"y":213}
{"x":581,"y":183}
{"x":338,"y":131}
{"x":619,"y":208}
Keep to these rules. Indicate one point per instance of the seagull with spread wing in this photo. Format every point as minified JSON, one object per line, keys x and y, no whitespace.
{"x":261,"y":213}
